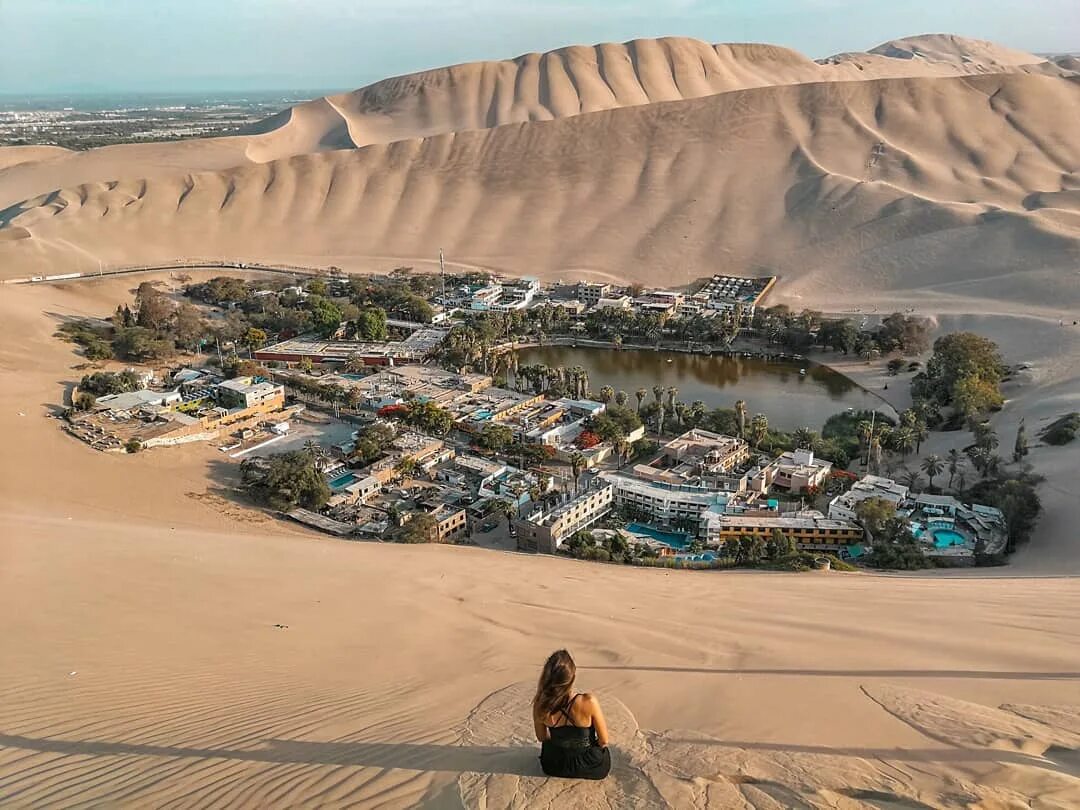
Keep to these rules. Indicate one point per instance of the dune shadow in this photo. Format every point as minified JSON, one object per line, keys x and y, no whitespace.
{"x":894,"y":754}
{"x":516,"y":760}
{"x":857,"y":673}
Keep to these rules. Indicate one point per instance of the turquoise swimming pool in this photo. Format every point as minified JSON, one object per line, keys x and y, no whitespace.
{"x":676,"y":540}
{"x":945,"y":538}
{"x":342,"y":481}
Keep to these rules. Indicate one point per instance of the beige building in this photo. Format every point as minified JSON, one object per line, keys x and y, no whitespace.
{"x":810,"y":530}
{"x":545,"y":532}
{"x":797,"y":471}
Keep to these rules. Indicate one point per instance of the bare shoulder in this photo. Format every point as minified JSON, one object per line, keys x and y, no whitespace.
{"x":590,"y":700}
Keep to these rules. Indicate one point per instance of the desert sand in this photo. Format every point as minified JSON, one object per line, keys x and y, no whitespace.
{"x":165,"y":645}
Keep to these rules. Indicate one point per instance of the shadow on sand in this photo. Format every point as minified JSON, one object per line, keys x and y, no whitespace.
{"x":860,"y":673}
{"x":518,"y":761}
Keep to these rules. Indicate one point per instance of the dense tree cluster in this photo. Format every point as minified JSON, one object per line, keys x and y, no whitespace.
{"x":286,"y":480}
{"x":103,"y":383}
{"x":899,"y":333}
{"x":963,"y":373}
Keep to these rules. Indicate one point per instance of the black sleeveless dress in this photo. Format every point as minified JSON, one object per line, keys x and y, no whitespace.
{"x":572,"y":752}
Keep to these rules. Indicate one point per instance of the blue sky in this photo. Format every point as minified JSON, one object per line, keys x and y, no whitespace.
{"x":161,"y":45}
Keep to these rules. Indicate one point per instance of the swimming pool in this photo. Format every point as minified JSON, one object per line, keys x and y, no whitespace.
{"x":673,"y":539}
{"x":945,"y":538}
{"x":343,"y":481}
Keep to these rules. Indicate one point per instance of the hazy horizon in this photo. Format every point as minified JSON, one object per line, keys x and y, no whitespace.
{"x":123,"y":46}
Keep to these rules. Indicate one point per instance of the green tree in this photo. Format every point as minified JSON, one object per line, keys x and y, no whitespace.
{"x":932,"y":465}
{"x":641,"y":393}
{"x":286,"y":480}
{"x":804,"y":438}
{"x":577,"y":464}
{"x":759,"y":429}
{"x":325,"y":315}
{"x":371,"y":324}
{"x":955,"y":464}
{"x":254,"y":338}
{"x":495,"y":437}
{"x":873,"y":513}
{"x":430,"y":418}
{"x":405,"y":467}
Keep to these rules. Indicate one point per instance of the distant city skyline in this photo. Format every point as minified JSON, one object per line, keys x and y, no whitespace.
{"x":155,"y":46}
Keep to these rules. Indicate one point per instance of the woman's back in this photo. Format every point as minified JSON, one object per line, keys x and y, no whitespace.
{"x":572,"y":749}
{"x":571,"y":728}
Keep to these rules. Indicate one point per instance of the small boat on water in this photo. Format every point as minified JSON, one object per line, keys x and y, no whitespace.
{"x":802,"y":372}
{"x":670,"y":360}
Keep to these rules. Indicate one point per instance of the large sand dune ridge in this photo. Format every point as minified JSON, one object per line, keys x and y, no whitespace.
{"x":532,"y":87}
{"x":965,"y":184}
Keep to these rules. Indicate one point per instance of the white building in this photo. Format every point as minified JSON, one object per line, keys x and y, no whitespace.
{"x":842,"y":507}
{"x":797,"y":471}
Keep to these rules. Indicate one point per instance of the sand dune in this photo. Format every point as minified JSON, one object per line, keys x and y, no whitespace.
{"x":973,"y":54}
{"x":532,"y":87}
{"x":925,"y":184}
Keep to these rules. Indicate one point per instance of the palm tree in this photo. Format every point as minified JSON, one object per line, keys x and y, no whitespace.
{"x":804,"y":438}
{"x":577,"y":464}
{"x":932,"y":465}
{"x":658,"y":393}
{"x":911,"y":479}
{"x":620,"y":398}
{"x":904,"y":440}
{"x":921,"y":434}
{"x":956,"y":464}
{"x":874,"y":454}
{"x":672,"y":393}
{"x":759,"y":429}
{"x":865,"y":433}
{"x":641,"y":393}
{"x":660,"y":419}
{"x":607,"y":393}
{"x":740,"y":415}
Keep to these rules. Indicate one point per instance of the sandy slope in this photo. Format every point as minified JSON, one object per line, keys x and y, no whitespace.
{"x":963,"y":186}
{"x":532,"y":87}
{"x":142,"y":664}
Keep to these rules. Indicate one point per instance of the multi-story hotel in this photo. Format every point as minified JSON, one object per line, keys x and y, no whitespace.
{"x":545,"y":532}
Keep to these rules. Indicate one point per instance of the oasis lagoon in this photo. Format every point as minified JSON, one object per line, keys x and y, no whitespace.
{"x":777,"y":388}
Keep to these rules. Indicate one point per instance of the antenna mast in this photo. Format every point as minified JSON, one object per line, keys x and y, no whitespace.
{"x":442,"y":275}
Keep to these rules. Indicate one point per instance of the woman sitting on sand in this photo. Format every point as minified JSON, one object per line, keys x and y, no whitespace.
{"x":571,"y":729}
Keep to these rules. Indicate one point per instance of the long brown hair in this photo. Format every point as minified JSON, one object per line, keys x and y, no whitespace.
{"x":556,"y":681}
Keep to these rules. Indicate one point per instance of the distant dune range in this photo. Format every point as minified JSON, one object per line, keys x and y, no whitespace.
{"x":964,"y":184}
{"x":532,"y":87}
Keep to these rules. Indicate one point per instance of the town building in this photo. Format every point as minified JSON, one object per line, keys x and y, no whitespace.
{"x":544,"y":532}
{"x":734,"y":294}
{"x":843,"y":506}
{"x":590,"y":293}
{"x":135,"y":400}
{"x":250,"y":392}
{"x":451,"y":523}
{"x":613,"y":302}
{"x":797,"y":471}
{"x":810,"y":530}
{"x":412,"y":349}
